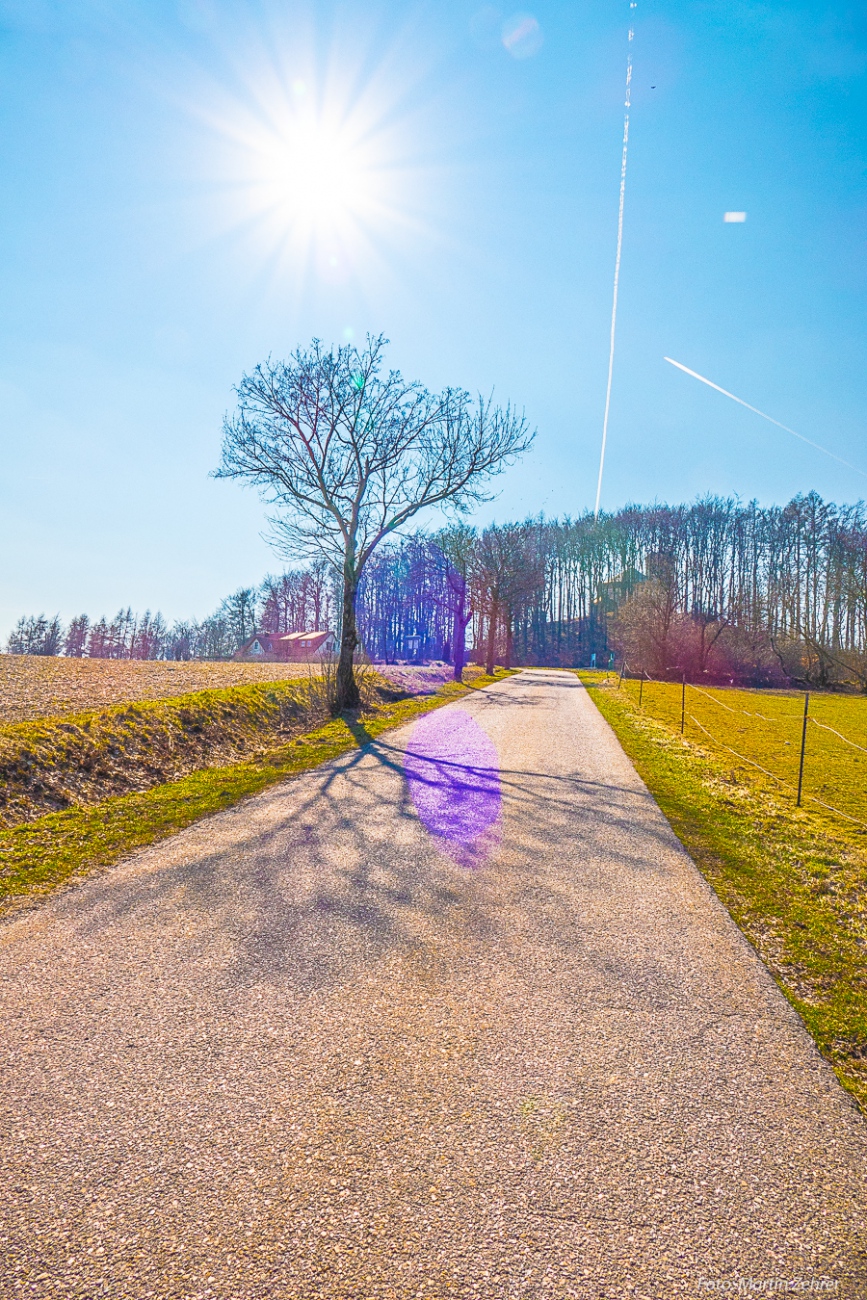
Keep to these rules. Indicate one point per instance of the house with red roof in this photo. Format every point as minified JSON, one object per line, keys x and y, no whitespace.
{"x":287,"y":647}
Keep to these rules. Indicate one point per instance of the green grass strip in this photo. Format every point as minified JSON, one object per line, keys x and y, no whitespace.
{"x":37,"y":857}
{"x":792,"y":879}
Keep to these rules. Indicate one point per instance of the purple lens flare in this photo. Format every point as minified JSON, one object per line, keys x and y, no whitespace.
{"x":453,"y":773}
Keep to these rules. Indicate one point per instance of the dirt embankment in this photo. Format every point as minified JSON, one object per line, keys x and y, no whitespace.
{"x":81,"y":759}
{"x":125,"y":740}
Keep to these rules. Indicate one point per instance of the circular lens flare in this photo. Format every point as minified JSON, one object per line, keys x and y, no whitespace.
{"x":453,"y":774}
{"x":522,"y":36}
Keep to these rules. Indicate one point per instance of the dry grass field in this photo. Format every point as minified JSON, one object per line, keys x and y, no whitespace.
{"x":35,"y":687}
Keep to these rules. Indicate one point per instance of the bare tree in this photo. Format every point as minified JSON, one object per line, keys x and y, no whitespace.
{"x":180,"y":641}
{"x":525,"y":577}
{"x":350,"y":453}
{"x":298,"y":600}
{"x":239,"y":612}
{"x":99,"y":640}
{"x":320,"y":589}
{"x":76,"y":637}
{"x":149,"y":637}
{"x":508,"y":570}
{"x":643,"y":627}
{"x":457,"y":547}
{"x":284,"y":602}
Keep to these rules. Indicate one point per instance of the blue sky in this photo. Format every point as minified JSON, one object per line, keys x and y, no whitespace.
{"x":152,"y":249}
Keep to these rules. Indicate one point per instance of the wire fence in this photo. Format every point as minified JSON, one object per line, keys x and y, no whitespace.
{"x":799,"y":741}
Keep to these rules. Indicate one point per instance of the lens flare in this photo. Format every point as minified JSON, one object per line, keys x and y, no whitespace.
{"x":453,"y":774}
{"x":522,"y":36}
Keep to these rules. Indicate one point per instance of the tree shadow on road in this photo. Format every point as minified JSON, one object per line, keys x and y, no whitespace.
{"x":311,"y":881}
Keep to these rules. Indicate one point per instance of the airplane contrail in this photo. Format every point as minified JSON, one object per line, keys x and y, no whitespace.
{"x":725,"y":392}
{"x":618,"y":255}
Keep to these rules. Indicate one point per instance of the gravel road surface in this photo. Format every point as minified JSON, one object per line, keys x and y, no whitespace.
{"x":454,"y":1016}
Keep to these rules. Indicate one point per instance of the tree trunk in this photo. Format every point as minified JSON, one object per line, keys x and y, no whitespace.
{"x":492,"y":639}
{"x":459,"y":635}
{"x":509,"y":640}
{"x":347,"y":695}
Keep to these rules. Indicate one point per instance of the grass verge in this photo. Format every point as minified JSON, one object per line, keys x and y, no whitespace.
{"x":40,"y":855}
{"x":794,"y":880}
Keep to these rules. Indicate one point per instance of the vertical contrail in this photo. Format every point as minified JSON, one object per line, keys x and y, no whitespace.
{"x":617,"y":257}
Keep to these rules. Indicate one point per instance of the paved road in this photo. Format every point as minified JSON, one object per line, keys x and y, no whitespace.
{"x":458,"y":1022}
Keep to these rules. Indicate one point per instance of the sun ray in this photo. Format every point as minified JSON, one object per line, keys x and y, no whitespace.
{"x":316,"y":156}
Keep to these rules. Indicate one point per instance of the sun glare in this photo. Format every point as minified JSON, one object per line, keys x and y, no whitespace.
{"x":319,"y":176}
{"x":315,"y":162}
{"x":314,"y":189}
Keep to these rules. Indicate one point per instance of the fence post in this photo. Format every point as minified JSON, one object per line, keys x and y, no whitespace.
{"x":640,"y":689}
{"x":683,"y":704}
{"x":622,"y":671}
{"x":803,"y":747}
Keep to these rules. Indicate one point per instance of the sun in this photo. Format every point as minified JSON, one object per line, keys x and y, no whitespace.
{"x":321,"y":161}
{"x":315,"y":177}
{"x":311,"y":177}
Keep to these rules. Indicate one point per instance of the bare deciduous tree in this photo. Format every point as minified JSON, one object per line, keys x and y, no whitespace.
{"x":239,"y":612}
{"x":76,"y":637}
{"x":297,"y":600}
{"x":36,"y":636}
{"x":508,"y":571}
{"x":643,"y":628}
{"x":349,"y":453}
{"x":457,"y":547}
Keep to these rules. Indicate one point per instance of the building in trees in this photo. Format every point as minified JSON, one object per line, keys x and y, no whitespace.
{"x":290,"y":647}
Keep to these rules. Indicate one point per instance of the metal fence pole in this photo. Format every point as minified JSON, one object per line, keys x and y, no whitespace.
{"x":640,"y":689}
{"x":683,"y":705}
{"x":803,"y":748}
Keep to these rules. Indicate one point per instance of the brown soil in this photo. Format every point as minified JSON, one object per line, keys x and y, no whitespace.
{"x":34,"y":687}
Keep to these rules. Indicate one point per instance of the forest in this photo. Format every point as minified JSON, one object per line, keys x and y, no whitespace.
{"x":715,"y":589}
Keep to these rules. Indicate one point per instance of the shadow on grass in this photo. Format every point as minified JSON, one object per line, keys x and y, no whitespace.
{"x":357,"y":729}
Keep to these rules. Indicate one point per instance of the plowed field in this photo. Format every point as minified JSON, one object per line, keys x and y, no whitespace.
{"x":35,"y":687}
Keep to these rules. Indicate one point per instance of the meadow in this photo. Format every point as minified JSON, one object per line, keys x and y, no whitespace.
{"x":762,"y":730}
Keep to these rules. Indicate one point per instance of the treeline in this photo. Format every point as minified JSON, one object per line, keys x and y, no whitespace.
{"x":716,"y":588}
{"x":292,"y":601}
